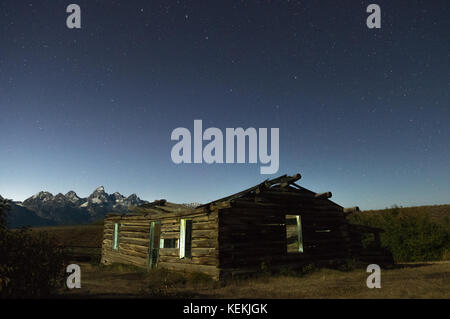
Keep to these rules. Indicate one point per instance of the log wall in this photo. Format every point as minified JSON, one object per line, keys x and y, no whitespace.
{"x":238,"y":237}
{"x":134,"y":241}
{"x":253,"y":233}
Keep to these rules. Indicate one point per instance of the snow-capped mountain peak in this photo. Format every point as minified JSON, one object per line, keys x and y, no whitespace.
{"x":99,"y":196}
{"x":72,"y":196}
{"x":70,"y":208}
{"x":44,"y":196}
{"x":100,"y":189}
{"x":118,"y":197}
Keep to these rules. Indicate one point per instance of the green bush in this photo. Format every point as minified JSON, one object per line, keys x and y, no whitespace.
{"x":30,"y":266}
{"x":409,"y":236}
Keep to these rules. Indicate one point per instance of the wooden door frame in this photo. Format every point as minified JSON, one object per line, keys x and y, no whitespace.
{"x":153,"y":247}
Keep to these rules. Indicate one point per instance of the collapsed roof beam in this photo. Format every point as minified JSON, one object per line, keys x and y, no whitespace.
{"x":286,"y":180}
{"x":350,"y":210}
{"x":323,"y":195}
{"x":283,"y":180}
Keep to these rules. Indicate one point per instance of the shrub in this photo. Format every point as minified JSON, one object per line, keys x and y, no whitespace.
{"x":307,"y":268}
{"x":4,"y":210}
{"x":446,"y":254}
{"x":30,"y":266}
{"x":161,"y":282}
{"x":199,"y":279}
{"x":409,"y":236}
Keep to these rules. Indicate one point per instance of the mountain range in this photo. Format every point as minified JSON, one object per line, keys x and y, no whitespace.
{"x":46,"y":209}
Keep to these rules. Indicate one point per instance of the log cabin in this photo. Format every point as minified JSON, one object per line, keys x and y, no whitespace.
{"x":276,"y":223}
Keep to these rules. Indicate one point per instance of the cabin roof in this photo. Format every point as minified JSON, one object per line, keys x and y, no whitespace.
{"x":282,"y":185}
{"x":158,"y":206}
{"x":276,"y":189}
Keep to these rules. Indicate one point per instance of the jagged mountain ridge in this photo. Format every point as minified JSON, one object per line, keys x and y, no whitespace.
{"x":68,"y":209}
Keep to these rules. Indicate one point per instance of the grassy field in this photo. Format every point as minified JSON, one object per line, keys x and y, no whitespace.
{"x":431,"y":280}
{"x":407,"y":280}
{"x":82,"y":242}
{"x":78,"y":235}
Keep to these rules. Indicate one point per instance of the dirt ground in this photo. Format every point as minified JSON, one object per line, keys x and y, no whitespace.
{"x":415,"y":280}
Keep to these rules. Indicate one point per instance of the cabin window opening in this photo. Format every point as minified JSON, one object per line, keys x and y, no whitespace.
{"x":294,"y":235}
{"x":185,"y":238}
{"x":168,"y":243}
{"x":116,"y":236}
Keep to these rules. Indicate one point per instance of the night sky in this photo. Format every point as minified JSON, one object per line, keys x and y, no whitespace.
{"x":363,"y":113}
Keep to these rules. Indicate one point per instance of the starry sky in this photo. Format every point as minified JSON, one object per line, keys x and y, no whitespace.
{"x":363,"y":113}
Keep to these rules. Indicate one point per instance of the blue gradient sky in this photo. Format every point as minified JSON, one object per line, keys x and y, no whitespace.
{"x":362,"y":113}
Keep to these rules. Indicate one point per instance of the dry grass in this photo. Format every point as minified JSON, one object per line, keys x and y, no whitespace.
{"x":82,"y":242}
{"x":410,"y":281}
{"x":79,"y":235}
{"x":426,"y":280}
{"x":430,"y":281}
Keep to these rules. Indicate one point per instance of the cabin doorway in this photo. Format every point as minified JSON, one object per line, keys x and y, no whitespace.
{"x":155,"y":235}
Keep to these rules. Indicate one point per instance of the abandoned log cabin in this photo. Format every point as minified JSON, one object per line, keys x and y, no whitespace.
{"x":277,"y":222}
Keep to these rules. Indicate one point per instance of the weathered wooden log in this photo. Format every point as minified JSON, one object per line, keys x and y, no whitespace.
{"x":174,"y":252}
{"x":134,"y":248}
{"x":323,"y":195}
{"x":129,"y":252}
{"x":213,"y":261}
{"x":210,"y":270}
{"x":281,"y":196}
{"x":124,"y":234}
{"x":138,"y":229}
{"x":170,"y":235}
{"x":144,"y":242}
